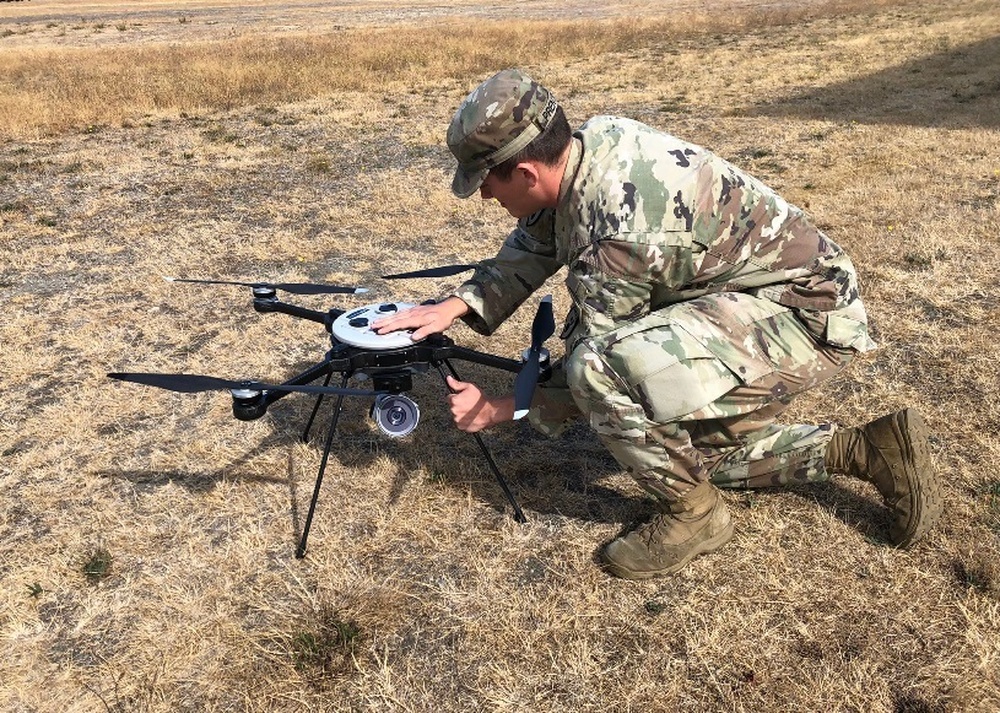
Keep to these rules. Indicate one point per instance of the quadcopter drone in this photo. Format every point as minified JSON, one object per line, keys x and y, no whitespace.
{"x":388,"y":361}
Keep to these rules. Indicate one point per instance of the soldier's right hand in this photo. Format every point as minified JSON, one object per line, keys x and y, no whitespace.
{"x":423,"y":319}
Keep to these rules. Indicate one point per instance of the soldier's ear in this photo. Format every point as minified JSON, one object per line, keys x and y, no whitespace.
{"x":529,"y":173}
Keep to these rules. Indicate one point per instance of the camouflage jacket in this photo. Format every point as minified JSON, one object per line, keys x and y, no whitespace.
{"x":645,"y":220}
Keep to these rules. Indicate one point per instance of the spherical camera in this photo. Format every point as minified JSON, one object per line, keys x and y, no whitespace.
{"x":396,"y":415}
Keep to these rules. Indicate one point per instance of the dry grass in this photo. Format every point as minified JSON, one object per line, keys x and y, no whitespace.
{"x":86,"y":83}
{"x":147,"y":539}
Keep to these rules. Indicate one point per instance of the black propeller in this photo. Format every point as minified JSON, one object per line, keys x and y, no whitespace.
{"x":443,"y":271}
{"x":542,"y":328}
{"x":195,"y":383}
{"x":295,"y":288}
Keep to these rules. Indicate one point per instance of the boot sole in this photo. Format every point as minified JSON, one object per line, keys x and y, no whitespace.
{"x":701,"y":548}
{"x":922,"y":481}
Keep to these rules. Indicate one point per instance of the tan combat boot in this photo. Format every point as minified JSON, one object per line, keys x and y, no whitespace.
{"x":697,"y":523}
{"x":892,"y":452}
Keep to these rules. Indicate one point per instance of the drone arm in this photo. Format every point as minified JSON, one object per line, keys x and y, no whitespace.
{"x":270,"y":304}
{"x":307,"y":377}
{"x":466,"y":354}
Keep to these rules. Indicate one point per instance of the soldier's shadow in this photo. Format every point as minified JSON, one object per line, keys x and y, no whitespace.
{"x":863,"y":512}
{"x":572,"y":476}
{"x":559,"y":476}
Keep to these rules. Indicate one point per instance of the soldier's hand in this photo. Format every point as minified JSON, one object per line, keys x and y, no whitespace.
{"x":423,"y":319}
{"x":472,"y":410}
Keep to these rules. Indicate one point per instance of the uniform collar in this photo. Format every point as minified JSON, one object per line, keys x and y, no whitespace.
{"x":572,"y":166}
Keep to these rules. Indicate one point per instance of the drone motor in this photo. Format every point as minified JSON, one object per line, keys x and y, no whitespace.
{"x":248,"y":404}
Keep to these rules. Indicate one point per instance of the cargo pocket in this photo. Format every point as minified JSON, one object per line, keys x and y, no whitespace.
{"x":663,"y":371}
{"x":733,"y":327}
{"x":740,"y":352}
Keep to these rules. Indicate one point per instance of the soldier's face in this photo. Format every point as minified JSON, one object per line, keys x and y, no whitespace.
{"x":514,"y":194}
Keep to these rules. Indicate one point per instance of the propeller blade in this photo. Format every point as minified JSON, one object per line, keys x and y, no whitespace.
{"x":544,"y":324}
{"x":443,"y":271}
{"x":196,"y":383}
{"x":542,"y":327}
{"x":184,"y":383}
{"x":524,"y":385}
{"x":295,"y":288}
{"x":307,"y":288}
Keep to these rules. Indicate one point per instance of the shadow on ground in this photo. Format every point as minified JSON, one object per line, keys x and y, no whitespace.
{"x":958,"y":87}
{"x":546,"y":476}
{"x":863,"y":513}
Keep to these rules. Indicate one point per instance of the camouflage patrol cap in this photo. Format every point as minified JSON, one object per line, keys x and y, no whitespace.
{"x":499,"y":118}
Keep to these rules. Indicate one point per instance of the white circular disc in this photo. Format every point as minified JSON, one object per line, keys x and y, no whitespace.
{"x":354,"y":327}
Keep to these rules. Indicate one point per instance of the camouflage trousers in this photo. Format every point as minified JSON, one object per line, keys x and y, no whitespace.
{"x":691,"y":392}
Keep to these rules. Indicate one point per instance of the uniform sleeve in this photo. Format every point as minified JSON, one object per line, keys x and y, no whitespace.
{"x":501,"y":284}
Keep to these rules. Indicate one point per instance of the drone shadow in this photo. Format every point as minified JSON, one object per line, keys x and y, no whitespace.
{"x":547,"y":476}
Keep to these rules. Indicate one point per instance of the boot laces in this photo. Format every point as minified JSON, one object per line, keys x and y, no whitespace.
{"x":653,"y":530}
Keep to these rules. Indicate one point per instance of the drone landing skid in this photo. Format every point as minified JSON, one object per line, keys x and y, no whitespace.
{"x":438,"y":364}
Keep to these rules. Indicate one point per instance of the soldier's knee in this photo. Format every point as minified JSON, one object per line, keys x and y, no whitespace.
{"x":588,"y":376}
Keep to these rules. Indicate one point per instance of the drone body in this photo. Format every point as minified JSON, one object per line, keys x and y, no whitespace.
{"x":354,"y":327}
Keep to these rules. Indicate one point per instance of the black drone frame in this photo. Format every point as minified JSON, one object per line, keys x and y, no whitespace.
{"x":390,"y":370}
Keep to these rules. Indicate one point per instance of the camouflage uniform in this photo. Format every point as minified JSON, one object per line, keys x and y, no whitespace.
{"x":702,"y":303}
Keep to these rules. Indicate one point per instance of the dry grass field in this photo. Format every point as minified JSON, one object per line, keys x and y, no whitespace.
{"x":147,"y":539}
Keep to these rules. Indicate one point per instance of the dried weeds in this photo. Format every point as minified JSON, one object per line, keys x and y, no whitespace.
{"x":147,"y":539}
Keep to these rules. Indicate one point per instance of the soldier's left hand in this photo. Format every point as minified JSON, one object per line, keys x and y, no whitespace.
{"x":472,"y":410}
